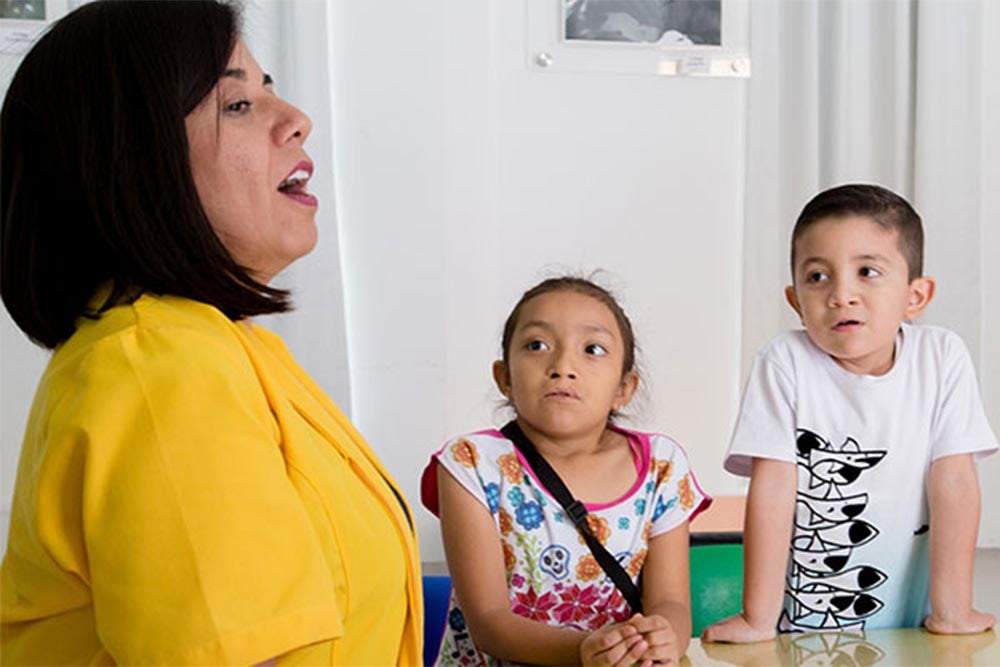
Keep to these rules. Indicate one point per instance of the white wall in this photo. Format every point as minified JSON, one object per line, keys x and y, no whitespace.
{"x":464,"y":177}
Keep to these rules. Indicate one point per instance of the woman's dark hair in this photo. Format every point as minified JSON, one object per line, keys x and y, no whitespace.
{"x":96,"y":185}
{"x":580,"y":286}
{"x":880,"y":205}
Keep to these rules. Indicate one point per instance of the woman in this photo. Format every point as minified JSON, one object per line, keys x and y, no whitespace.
{"x":186,"y":494}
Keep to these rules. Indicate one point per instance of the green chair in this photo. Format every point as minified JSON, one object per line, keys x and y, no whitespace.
{"x":716,"y":581}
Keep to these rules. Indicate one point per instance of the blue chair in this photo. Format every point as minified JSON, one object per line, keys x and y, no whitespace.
{"x":716,"y":581}
{"x":437,"y":593}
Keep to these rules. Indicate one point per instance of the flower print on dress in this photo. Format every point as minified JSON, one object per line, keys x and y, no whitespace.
{"x":531,"y":605}
{"x":509,"y":558}
{"x":598,"y":528}
{"x":635,"y":564}
{"x":506,"y":522}
{"x":465,"y":453}
{"x":511,"y":468}
{"x":529,"y":515}
{"x":576,"y":604}
{"x":623,"y":523}
{"x":685,"y":493}
{"x":492,"y":491}
{"x":617,"y":607}
{"x":664,"y":469}
{"x":515,"y":496}
{"x":587,"y":568}
{"x":517,"y":581}
{"x":645,"y":531}
{"x":662,"y":506}
{"x":640,"y":506}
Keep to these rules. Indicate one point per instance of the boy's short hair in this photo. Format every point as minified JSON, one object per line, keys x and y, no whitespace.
{"x":883,"y":206}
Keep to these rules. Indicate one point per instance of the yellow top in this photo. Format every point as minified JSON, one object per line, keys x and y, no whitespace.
{"x":187,"y":495}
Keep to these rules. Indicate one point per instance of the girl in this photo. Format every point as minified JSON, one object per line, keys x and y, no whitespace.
{"x":527,"y":588}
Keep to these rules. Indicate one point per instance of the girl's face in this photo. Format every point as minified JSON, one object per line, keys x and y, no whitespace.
{"x":251,"y":171}
{"x":564,"y":366}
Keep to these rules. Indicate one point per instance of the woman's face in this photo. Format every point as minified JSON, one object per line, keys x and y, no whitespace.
{"x":251,"y":171}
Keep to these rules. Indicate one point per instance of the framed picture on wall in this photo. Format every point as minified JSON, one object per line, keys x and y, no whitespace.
{"x":23,"y":21}
{"x":659,"y":37}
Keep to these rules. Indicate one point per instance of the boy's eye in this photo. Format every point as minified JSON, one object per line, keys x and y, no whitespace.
{"x":596,"y":350}
{"x":816,"y":277}
{"x":869,"y":272}
{"x":238,"y":106}
{"x":537,"y":346}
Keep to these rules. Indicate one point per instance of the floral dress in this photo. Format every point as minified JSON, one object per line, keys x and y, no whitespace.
{"x":552,"y":576}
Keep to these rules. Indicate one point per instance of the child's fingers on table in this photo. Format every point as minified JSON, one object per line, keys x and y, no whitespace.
{"x":661,"y":634}
{"x":650,"y":623}
{"x":662,"y":654}
{"x":623,"y":654}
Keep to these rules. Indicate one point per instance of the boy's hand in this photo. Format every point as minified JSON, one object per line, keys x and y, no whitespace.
{"x":661,"y":638}
{"x":969,"y":623}
{"x":620,"y":645}
{"x":736,"y":630}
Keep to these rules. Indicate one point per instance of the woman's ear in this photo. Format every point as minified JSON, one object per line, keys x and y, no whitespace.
{"x":921,"y":294}
{"x":501,"y":377}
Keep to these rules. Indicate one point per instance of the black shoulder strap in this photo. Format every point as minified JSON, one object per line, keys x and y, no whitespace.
{"x":577,"y":514}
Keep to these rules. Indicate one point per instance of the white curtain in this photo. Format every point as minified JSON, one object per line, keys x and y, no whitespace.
{"x":901,"y":93}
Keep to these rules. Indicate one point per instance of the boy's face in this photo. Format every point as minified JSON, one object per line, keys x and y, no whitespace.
{"x":852,"y":293}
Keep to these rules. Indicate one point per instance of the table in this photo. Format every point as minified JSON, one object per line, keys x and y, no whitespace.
{"x":882,"y":648}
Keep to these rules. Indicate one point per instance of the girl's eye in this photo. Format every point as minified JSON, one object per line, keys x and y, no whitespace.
{"x":537,"y":346}
{"x":816,"y":277}
{"x":238,"y":106}
{"x":869,"y":272}
{"x":596,"y":350}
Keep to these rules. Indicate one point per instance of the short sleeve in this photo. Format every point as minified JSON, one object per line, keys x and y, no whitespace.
{"x":678,"y":497}
{"x":460,"y":458}
{"x":765,"y":426}
{"x":960,"y":424}
{"x":198,"y":547}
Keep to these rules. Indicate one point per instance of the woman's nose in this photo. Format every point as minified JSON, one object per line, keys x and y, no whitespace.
{"x":294,"y":124}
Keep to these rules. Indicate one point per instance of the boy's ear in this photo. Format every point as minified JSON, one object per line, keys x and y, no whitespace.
{"x":501,"y":377}
{"x":921,"y":293}
{"x":626,"y":390}
{"x":793,"y":300}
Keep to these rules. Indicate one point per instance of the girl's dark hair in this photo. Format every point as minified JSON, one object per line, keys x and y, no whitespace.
{"x":96,"y":185}
{"x":880,"y":205}
{"x":580,"y":286}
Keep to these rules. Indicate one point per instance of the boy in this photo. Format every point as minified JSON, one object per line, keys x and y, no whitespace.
{"x":859,"y":435}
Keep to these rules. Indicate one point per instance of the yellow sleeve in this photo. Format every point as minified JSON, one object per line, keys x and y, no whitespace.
{"x":198,"y":549}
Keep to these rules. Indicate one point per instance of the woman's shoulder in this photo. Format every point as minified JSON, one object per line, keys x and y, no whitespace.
{"x":174,"y":319}
{"x":155,"y":341}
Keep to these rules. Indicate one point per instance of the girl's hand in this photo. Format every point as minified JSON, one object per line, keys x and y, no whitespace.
{"x":659,"y":634}
{"x":968,"y":624}
{"x":620,"y":645}
{"x":736,"y":630}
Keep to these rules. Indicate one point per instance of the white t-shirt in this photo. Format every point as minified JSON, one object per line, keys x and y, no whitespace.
{"x":863,"y":446}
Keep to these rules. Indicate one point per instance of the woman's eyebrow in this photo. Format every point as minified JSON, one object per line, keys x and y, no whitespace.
{"x":235,"y":73}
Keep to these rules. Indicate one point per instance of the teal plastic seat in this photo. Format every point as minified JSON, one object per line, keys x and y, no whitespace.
{"x":716,"y":584}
